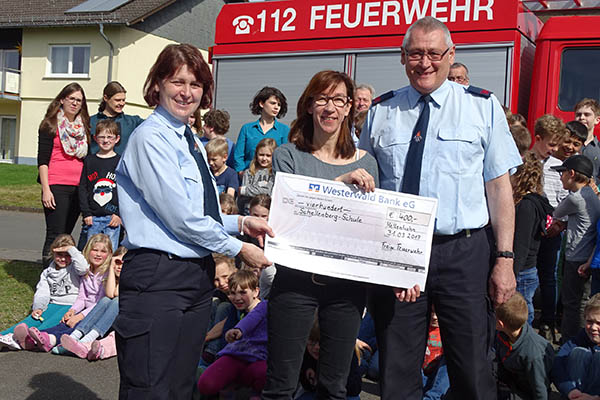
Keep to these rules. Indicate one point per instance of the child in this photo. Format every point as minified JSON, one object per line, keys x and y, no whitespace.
{"x":97,"y":187}
{"x":259,"y":177}
{"x":531,"y":215}
{"x":524,"y":357}
{"x":243,"y":360}
{"x":309,"y":369}
{"x":259,"y":207}
{"x":216,"y":122}
{"x":583,"y":210}
{"x":98,"y":253}
{"x":576,"y":369}
{"x":221,"y":310}
{"x":573,"y":141}
{"x":522,"y":138}
{"x":227,"y":203}
{"x":227,"y":179}
{"x":587,"y":111}
{"x":55,"y":292}
{"x":549,"y":131}
{"x":435,"y":371}
{"x":102,"y":316}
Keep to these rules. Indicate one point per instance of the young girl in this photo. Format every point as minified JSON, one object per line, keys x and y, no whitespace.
{"x":55,"y":292}
{"x":102,"y":316}
{"x":227,"y":203}
{"x":259,"y":207}
{"x":259,"y":177}
{"x":97,"y":252}
{"x":531,"y":211}
{"x":244,"y":358}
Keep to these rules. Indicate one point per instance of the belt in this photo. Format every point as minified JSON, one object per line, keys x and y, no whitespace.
{"x":467,"y":233}
{"x":169,"y":255}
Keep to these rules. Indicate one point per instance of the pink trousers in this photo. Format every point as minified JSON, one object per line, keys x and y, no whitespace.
{"x":227,"y":370}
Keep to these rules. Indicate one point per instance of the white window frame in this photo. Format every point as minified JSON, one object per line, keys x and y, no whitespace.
{"x":69,"y":73}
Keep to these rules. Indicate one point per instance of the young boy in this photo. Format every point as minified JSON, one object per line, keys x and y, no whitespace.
{"x":573,"y":141}
{"x":587,"y":111}
{"x":216,"y":123}
{"x":522,"y":138}
{"x":576,"y":369}
{"x":227,"y":178}
{"x":582,"y":208}
{"x":549,"y":132}
{"x":97,"y":188}
{"x":524,"y":357}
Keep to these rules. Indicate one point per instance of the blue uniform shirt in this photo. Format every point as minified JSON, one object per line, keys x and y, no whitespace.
{"x":250,"y":134}
{"x":468,"y":143}
{"x":161,"y":194}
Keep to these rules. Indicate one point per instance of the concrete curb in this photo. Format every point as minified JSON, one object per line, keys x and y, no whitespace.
{"x":22,"y":209}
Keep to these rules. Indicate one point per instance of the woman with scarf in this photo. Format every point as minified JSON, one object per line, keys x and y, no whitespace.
{"x":64,"y":137}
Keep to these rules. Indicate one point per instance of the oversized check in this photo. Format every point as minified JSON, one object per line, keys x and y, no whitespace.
{"x":334,"y":229}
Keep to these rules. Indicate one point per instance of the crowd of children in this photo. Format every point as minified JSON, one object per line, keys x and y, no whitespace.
{"x":556,"y":246}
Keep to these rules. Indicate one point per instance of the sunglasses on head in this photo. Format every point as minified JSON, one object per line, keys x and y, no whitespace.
{"x":118,"y":261}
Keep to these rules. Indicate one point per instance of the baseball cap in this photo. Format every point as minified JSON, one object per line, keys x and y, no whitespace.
{"x":579,"y":163}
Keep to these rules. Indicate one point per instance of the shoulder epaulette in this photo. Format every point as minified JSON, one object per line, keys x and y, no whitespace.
{"x":383,"y":97}
{"x":479,"y":91}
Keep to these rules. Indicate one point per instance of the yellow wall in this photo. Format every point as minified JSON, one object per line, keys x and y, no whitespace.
{"x":135,"y":52}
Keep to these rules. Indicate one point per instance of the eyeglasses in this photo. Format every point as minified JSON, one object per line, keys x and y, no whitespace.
{"x":74,"y":100}
{"x":338,"y":101}
{"x":106,"y":138}
{"x":459,"y":79}
{"x":418,"y":55}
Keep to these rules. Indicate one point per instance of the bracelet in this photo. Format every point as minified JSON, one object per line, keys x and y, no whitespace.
{"x":504,"y":254}
{"x":243,"y":220}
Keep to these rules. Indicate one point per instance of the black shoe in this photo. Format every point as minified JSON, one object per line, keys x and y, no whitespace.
{"x":548,"y":333}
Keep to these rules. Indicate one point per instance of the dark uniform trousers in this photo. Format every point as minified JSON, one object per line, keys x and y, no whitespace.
{"x":164,"y":302}
{"x":457,"y":286}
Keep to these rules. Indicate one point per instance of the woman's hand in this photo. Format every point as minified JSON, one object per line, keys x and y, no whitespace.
{"x":359,"y":177}
{"x":48,"y":199}
{"x":408,"y":295}
{"x":74,"y":320}
{"x":233,"y":334}
{"x":67,"y":316}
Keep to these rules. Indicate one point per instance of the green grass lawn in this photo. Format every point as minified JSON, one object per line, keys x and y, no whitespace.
{"x":17,"y":285}
{"x":19,"y":187}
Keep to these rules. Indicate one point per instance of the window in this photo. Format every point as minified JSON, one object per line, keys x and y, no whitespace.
{"x":8,"y":133}
{"x":578,"y":76}
{"x":10,"y":74}
{"x":69,"y":61}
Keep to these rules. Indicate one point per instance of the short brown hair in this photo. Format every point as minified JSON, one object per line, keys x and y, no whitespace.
{"x":217,"y":146}
{"x":529,"y":177}
{"x":513,"y":313}
{"x":244,"y":279}
{"x":263,"y":95}
{"x":109,"y":125}
{"x":218,"y":120}
{"x":549,"y":126}
{"x":591,"y":103}
{"x":302,"y":129}
{"x":592,"y":305}
{"x":263,"y":200}
{"x":522,"y":138}
{"x":227,"y":203}
{"x":169,"y":61}
{"x":580,"y":178}
{"x":61,"y":240}
{"x":516,"y":119}
{"x":223,"y":259}
{"x":120,"y":251}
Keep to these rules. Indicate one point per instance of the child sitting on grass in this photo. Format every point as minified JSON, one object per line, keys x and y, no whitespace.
{"x":55,"y":292}
{"x":524,"y":357}
{"x":244,"y":359}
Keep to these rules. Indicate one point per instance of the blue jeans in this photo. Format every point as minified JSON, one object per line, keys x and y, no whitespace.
{"x":595,"y":281}
{"x":221,"y":311}
{"x":436,"y":384}
{"x":101,"y":317}
{"x":584,"y":369}
{"x":527,"y":283}
{"x":99,"y":225}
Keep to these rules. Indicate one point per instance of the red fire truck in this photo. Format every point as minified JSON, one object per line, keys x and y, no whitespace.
{"x":532,"y":68}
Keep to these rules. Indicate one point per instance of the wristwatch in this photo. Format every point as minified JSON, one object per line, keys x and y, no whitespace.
{"x":504,"y":254}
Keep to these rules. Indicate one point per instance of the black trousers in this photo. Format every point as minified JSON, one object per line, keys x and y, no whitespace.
{"x":62,"y":219}
{"x":457,"y":286}
{"x":164,"y":307}
{"x":293,"y":300}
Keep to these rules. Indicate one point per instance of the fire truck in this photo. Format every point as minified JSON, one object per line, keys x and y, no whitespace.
{"x":531,"y":67}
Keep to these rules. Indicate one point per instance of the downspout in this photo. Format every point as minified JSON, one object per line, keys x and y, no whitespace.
{"x":110,"y":54}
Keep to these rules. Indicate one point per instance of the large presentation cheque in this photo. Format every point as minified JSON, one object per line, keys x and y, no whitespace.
{"x":333,"y":229}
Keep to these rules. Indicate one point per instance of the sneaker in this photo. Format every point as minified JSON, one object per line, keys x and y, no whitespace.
{"x":96,"y":351}
{"x":73,"y":345}
{"x":22,"y":337}
{"x":9,"y":341}
{"x":41,"y":339}
{"x":61,"y":351}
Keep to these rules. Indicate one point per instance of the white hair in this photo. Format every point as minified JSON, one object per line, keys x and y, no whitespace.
{"x":427,"y":24}
{"x":366,"y":86}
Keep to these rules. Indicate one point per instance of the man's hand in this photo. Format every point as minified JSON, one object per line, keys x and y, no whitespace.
{"x":233,"y":334}
{"x":253,"y":256}
{"x":408,"y":295}
{"x":502,"y":281}
{"x":257,"y":228}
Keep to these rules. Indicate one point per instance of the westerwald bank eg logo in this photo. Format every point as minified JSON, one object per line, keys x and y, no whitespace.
{"x":314,"y":187}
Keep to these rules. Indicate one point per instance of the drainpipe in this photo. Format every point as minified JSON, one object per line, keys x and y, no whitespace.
{"x":110,"y":54}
